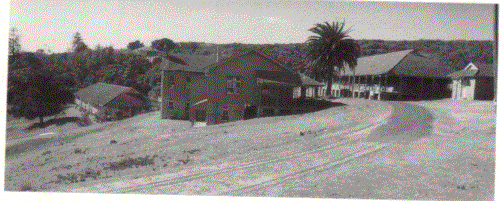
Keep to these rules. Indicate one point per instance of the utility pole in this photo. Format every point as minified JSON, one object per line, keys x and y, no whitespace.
{"x":495,"y":52}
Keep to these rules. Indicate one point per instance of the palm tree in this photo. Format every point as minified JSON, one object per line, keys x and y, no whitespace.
{"x":330,"y":50}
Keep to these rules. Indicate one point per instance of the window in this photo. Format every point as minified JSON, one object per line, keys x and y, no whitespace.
{"x":188,"y":79}
{"x":225,"y":114}
{"x":171,"y":81}
{"x":266,"y":91}
{"x":233,"y":84}
{"x":466,"y":82}
{"x":170,"y":104}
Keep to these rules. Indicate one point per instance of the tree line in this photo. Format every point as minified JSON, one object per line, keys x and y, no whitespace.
{"x":83,"y":66}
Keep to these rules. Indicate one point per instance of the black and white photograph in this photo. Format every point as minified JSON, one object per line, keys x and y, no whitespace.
{"x":249,"y":100}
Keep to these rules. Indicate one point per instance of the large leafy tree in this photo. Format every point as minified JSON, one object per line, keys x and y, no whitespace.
{"x":134,"y":45}
{"x":330,"y":51}
{"x":161,"y":48}
{"x":35,"y":94}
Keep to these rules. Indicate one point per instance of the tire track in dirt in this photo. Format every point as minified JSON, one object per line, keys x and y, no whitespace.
{"x":326,"y":165}
{"x":356,"y":132}
{"x":407,"y":120}
{"x":354,"y":135}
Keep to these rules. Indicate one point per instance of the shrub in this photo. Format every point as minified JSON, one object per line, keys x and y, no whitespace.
{"x":78,"y":150}
{"x":85,"y":120}
{"x":130,"y":162}
{"x":26,"y":187}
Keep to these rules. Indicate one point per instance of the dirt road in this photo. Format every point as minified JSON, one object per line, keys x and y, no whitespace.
{"x":263,"y":173}
{"x":367,"y":149}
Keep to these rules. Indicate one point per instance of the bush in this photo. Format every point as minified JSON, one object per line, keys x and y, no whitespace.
{"x":130,"y":162}
{"x":26,"y":187}
{"x":85,"y":120}
{"x":79,"y":176}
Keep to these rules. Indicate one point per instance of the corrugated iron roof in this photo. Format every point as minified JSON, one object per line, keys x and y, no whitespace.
{"x":307,"y":81}
{"x":234,"y":56}
{"x":468,"y":71}
{"x":195,"y":63}
{"x":102,"y":93}
{"x":402,"y":63}
{"x":486,"y":70}
{"x":418,"y":66}
{"x":377,"y":64}
{"x":279,"y":76}
{"x":483,"y":70}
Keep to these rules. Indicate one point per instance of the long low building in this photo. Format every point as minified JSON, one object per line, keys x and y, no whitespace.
{"x":109,"y":102}
{"x":394,"y":75}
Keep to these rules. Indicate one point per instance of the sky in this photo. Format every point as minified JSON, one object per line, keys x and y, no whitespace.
{"x":49,"y":24}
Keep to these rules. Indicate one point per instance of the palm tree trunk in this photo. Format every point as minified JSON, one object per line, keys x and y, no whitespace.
{"x":329,"y":87}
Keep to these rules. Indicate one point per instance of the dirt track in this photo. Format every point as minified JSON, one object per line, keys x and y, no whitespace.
{"x":423,"y":150}
{"x":262,"y":171}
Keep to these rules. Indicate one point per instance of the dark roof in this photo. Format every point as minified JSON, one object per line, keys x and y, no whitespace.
{"x":401,"y":63}
{"x":377,"y":64}
{"x":243,"y":53}
{"x":126,"y":100}
{"x":418,"y":66}
{"x":468,"y":71}
{"x":287,"y":77}
{"x":307,"y":81}
{"x":195,"y":63}
{"x":102,"y":93}
{"x":486,"y":70}
{"x":475,"y":70}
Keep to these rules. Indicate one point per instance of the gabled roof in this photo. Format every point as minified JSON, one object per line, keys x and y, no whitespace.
{"x":486,"y":70}
{"x":243,"y":53}
{"x":401,"y":63}
{"x":307,"y":81}
{"x":102,"y":93}
{"x":195,"y":63}
{"x":377,"y":64}
{"x":274,"y":77}
{"x":418,"y":66}
{"x":475,"y":70}
{"x":469,"y":71}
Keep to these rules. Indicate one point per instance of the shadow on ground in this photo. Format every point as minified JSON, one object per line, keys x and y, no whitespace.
{"x":407,"y":123}
{"x":56,"y":121}
{"x":301,"y":106}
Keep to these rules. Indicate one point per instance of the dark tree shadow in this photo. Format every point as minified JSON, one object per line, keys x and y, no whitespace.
{"x":408,"y":123}
{"x":309,"y":105}
{"x":56,"y":121}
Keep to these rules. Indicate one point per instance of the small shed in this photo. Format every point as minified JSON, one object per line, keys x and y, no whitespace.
{"x":310,"y":87}
{"x":474,"y":82}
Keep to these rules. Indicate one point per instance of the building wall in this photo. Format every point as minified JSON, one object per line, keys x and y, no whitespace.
{"x":244,"y":67}
{"x":179,"y":93}
{"x":199,"y":92}
{"x":484,"y":89}
{"x":463,"y":89}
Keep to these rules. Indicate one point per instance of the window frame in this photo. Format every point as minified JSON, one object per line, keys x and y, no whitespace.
{"x":234,"y":83}
{"x":170,"y":104}
{"x":171,"y":81}
{"x":225,"y":114}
